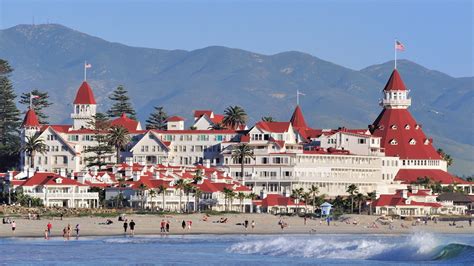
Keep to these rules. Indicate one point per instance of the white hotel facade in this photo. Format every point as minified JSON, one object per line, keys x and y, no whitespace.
{"x":385,"y":157}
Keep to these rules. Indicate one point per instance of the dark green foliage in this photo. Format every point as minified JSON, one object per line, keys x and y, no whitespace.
{"x":9,"y":120}
{"x":103,"y":149}
{"x":39,"y":104}
{"x":157,"y":119}
{"x":121,"y":104}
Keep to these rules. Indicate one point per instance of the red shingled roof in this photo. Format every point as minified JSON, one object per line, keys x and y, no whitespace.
{"x":84,"y":95}
{"x":297,"y":119}
{"x":128,"y":123}
{"x":199,"y":113}
{"x":395,"y":82}
{"x":174,"y":119}
{"x":411,"y":175}
{"x":275,"y":127}
{"x":217,"y":119}
{"x":49,"y":179}
{"x":397,"y":200}
{"x":400,"y":126}
{"x":30,"y":120}
{"x":279,"y":200}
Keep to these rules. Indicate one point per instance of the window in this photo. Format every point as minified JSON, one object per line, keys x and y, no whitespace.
{"x":412,"y":142}
{"x":393,"y":142}
{"x":407,"y":126}
{"x":394,"y":127}
{"x":362,"y":141}
{"x":427,"y":141}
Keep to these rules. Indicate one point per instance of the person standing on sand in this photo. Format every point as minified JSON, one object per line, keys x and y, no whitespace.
{"x":253,"y":225}
{"x":68,"y":231}
{"x":190,"y":223}
{"x":49,"y":227}
{"x":125,"y":226}
{"x":77,"y":230}
{"x":46,"y":234}
{"x":132,"y":227}
{"x":305,"y":220}
{"x":246,"y":224}
{"x":13,"y":227}
{"x":162,"y":226}
{"x":183,"y":224}
{"x":167,"y":226}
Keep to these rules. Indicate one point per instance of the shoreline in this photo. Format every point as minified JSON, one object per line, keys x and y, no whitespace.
{"x":265,"y":224}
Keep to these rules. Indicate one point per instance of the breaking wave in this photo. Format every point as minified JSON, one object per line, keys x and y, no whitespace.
{"x":418,"y":247}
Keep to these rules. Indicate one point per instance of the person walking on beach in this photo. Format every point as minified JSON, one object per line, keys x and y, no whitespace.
{"x":253,"y":225}
{"x":183,"y":224}
{"x":49,"y":227}
{"x":13,"y":227}
{"x":77,"y":229}
{"x":46,"y":235}
{"x":470,"y":222}
{"x":125,"y":226}
{"x":167,"y":226}
{"x":132,"y":227}
{"x":190,"y":223}
{"x":68,"y":231}
{"x":65,"y":233}
{"x":162,"y":226}
{"x":246,"y":224}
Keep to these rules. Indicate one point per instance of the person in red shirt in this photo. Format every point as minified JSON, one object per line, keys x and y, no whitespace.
{"x":49,"y":226}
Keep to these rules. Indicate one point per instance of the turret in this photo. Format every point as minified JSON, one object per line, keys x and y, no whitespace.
{"x":84,"y":107}
{"x":30,"y":125}
{"x":395,"y":94}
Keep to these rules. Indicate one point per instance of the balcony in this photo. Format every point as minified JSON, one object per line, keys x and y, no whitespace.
{"x":87,"y":195}
{"x":391,"y":102}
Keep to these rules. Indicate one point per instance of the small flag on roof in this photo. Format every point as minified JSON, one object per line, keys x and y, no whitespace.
{"x":87,"y":65}
{"x":399,"y":46}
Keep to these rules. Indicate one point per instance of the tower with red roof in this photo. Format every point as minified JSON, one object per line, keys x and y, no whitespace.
{"x":84,"y":107}
{"x":401,"y":135}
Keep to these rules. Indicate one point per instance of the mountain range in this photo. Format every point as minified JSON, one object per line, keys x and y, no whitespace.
{"x":50,"y":57}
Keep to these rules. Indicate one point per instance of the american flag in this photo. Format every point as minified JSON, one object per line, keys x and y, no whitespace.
{"x":399,"y":46}
{"x":87,"y":65}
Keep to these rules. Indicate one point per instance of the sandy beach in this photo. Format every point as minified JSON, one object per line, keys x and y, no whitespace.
{"x":264,"y":224}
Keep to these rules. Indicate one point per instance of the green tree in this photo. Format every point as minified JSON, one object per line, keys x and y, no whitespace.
{"x":268,"y":119}
{"x":120,"y":103}
{"x":314,"y":191}
{"x":39,"y":103}
{"x":241,"y":196}
{"x":97,"y":153}
{"x":197,"y":195}
{"x":297,"y":194}
{"x":241,"y":152}
{"x":234,"y":116}
{"x":32,"y":146}
{"x":372,"y":196}
{"x":118,"y":137}
{"x":227,"y":195}
{"x":306,"y":197}
{"x":180,"y":184}
{"x":197,"y":176}
{"x":188,"y":189}
{"x":142,"y":188}
{"x":9,"y":120}
{"x":217,"y":126}
{"x":162,"y":191}
{"x":360,"y":198}
{"x":157,"y":119}
{"x":446,"y":157}
{"x":152,"y":193}
{"x":352,"y":190}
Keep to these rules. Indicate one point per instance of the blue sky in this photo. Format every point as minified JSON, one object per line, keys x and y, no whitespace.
{"x":355,"y":34}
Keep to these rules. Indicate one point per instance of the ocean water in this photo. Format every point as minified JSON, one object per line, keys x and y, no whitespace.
{"x":417,"y":248}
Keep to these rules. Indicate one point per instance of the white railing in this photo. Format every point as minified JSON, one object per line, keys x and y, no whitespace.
{"x":86,"y":195}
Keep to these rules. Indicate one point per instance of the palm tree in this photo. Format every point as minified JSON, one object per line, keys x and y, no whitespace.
{"x":142,"y":189}
{"x":446,"y":157}
{"x":217,"y":126}
{"x":268,"y":119}
{"x":234,"y":116}
{"x":197,"y":196}
{"x":188,"y":189}
{"x":33,"y":145}
{"x":119,"y":138}
{"x":352,"y":189}
{"x":121,"y":184}
{"x":372,"y":196}
{"x":359,"y":198}
{"x":232,"y":195}
{"x":227,"y":192}
{"x":180,"y":183}
{"x":297,"y":194}
{"x":152,"y":194}
{"x":241,"y":152}
{"x":241,"y":196}
{"x":162,"y":191}
{"x":197,"y":176}
{"x":314,"y":190}
{"x":306,"y":197}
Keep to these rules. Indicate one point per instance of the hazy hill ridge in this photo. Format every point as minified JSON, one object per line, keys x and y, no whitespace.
{"x":50,"y":57}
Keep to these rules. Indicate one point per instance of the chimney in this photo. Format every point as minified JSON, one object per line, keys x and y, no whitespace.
{"x":128,"y":171}
{"x":404,"y":193}
{"x":214,"y":177}
{"x":156,"y":175}
{"x":136,"y":176}
{"x":10,"y":176}
{"x":62,"y":172}
{"x":263,"y":194}
{"x":81,"y":178}
{"x":129,"y":160}
{"x":94,"y":170}
{"x":207,"y":163}
{"x":414,"y":190}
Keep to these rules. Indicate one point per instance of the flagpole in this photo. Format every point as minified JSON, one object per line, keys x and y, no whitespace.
{"x":395,"y":48}
{"x":297,"y":97}
{"x":31,"y":99}
{"x":85,"y":71}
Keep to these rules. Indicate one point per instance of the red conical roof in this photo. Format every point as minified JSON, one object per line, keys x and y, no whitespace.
{"x":84,"y":95}
{"x":395,"y":82}
{"x":402,"y":136}
{"x":31,"y":120}
{"x":297,"y":119}
{"x":128,"y":123}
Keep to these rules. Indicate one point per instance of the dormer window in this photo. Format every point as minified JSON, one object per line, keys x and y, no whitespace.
{"x":381,"y":127}
{"x":59,"y":180}
{"x":394,"y":127}
{"x":412,"y":141}
{"x":407,"y":126}
{"x":417,"y":126}
{"x":427,"y":141}
{"x":393,"y":142}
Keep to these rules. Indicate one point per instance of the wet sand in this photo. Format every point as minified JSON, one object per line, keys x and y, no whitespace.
{"x":264,"y":224}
